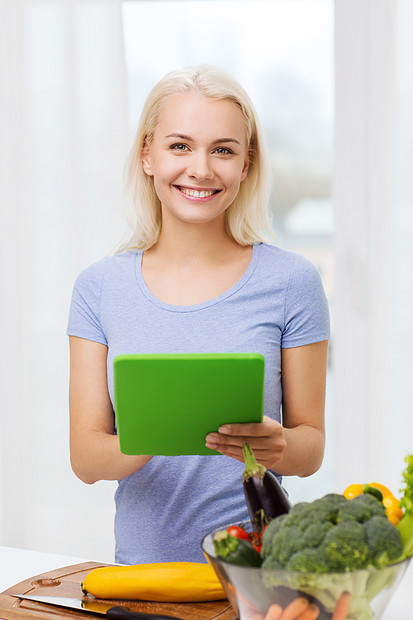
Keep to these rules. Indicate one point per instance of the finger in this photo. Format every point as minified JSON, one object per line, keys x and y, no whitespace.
{"x":244,"y":430}
{"x":268,"y":427}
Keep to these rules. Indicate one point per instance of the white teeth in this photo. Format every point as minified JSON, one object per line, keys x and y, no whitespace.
{"x":194,"y":193}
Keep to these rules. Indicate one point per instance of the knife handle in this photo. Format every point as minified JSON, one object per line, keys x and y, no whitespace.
{"x":123,"y":613}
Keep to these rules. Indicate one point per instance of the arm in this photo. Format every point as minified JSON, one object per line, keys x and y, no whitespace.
{"x":94,"y":449}
{"x":297,"y":446}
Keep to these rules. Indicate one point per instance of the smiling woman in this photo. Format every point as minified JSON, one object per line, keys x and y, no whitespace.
{"x":197,"y":276}
{"x":218,"y":121}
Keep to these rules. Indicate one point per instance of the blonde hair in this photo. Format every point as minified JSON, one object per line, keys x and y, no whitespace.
{"x":247,"y":218}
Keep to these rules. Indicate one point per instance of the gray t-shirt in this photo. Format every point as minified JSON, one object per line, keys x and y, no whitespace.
{"x":164,"y":509}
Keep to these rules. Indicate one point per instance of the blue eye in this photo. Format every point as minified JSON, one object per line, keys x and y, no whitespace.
{"x":223,"y":150}
{"x":178,"y":147}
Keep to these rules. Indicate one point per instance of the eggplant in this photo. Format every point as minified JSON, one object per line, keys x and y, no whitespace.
{"x":264,"y":495}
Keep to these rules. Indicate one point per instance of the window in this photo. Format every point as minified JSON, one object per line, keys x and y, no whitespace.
{"x":281,"y":51}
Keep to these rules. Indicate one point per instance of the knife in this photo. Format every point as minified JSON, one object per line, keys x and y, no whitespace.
{"x":94,"y":606}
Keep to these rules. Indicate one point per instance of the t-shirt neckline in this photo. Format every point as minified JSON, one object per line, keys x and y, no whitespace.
{"x":210,"y":302}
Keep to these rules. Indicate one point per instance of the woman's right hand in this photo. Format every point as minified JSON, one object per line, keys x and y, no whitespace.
{"x":94,"y":448}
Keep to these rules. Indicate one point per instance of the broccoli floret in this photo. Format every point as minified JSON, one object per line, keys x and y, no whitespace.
{"x":346,"y":546}
{"x":315,"y":534}
{"x":300,"y":515}
{"x":271,"y":562}
{"x":309,"y":561}
{"x":372,"y":503}
{"x":383,"y":540}
{"x":361,"y":509}
{"x":287,"y":541}
{"x":327,"y":508}
{"x":269,"y":534}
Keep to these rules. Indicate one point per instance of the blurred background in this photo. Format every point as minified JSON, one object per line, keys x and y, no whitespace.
{"x":333,"y":87}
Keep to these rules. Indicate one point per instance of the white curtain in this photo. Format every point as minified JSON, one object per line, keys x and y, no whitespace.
{"x":64,"y":138}
{"x":373,"y":200}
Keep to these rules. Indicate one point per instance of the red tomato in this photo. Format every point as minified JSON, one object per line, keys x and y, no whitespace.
{"x":256,"y":541}
{"x":238,"y":532}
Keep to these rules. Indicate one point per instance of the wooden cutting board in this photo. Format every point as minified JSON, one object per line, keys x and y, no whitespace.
{"x":66,"y":582}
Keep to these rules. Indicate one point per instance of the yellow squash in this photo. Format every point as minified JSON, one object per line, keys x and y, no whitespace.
{"x":168,"y":582}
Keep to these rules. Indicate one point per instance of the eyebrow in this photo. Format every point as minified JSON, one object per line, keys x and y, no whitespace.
{"x":184,"y":137}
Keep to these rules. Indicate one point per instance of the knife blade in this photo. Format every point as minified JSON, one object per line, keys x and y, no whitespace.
{"x":94,"y":606}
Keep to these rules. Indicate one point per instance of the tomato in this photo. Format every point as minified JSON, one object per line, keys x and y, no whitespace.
{"x":238,"y":532}
{"x":256,"y":540}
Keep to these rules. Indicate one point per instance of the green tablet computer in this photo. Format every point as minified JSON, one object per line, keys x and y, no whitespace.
{"x":167,"y":403}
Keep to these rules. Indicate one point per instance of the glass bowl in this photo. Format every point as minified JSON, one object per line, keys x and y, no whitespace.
{"x":252,"y":591}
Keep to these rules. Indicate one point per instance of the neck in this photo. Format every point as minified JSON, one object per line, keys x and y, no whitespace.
{"x":179,"y":241}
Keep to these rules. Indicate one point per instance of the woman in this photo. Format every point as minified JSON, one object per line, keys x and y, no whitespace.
{"x":197,"y":276}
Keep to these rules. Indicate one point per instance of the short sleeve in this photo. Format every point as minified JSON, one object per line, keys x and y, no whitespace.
{"x":84,"y":315}
{"x":306,"y":312}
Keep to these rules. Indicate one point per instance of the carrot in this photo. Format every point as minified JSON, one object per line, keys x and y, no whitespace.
{"x":342,"y":606}
{"x":274,"y":612}
{"x":295,"y":608}
{"x":311,"y":613}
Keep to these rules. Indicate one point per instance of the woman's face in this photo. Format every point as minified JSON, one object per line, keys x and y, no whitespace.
{"x":198,"y":157}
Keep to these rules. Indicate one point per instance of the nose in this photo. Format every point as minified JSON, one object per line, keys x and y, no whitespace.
{"x":200,"y":166}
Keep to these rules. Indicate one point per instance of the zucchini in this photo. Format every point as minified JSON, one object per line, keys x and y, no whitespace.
{"x":168,"y":582}
{"x":235,"y":550}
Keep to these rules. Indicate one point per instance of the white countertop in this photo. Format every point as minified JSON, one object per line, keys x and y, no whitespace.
{"x":19,"y":564}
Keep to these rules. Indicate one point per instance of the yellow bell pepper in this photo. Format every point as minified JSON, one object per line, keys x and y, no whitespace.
{"x":353,"y":490}
{"x":392,"y":504}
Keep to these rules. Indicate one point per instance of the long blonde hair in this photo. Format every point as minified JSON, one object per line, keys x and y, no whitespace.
{"x":247,"y":218}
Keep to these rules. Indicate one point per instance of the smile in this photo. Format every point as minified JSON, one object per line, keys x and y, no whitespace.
{"x":195,"y":193}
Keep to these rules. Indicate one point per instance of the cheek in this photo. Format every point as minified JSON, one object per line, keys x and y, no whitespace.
{"x":167,"y":169}
{"x":236,"y":176}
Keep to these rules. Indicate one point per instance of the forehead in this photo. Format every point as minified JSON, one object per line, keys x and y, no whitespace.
{"x":198,"y":116}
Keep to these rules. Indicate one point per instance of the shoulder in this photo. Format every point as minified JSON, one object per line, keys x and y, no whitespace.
{"x":106,"y":268}
{"x":291,"y":264}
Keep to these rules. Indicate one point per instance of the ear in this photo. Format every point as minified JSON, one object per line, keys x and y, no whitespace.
{"x":245,"y":168}
{"x":146,"y":159}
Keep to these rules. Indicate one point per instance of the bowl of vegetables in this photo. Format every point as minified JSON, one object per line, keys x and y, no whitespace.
{"x":333,"y":558}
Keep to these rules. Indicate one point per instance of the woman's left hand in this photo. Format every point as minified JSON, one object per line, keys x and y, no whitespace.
{"x":266,"y":439}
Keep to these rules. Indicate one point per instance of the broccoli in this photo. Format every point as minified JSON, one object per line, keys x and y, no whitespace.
{"x":346,"y":547}
{"x":271,"y":562}
{"x":349,"y":534}
{"x":327,"y":508}
{"x":383,"y":540}
{"x":315,"y":534}
{"x":283,"y":547}
{"x":309,"y":561}
{"x":271,"y":529}
{"x":361,"y":509}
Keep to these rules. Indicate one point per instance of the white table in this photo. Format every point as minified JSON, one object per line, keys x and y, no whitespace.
{"x":19,"y":564}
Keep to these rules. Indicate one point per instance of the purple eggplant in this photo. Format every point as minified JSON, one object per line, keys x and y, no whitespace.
{"x":264,"y":495}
